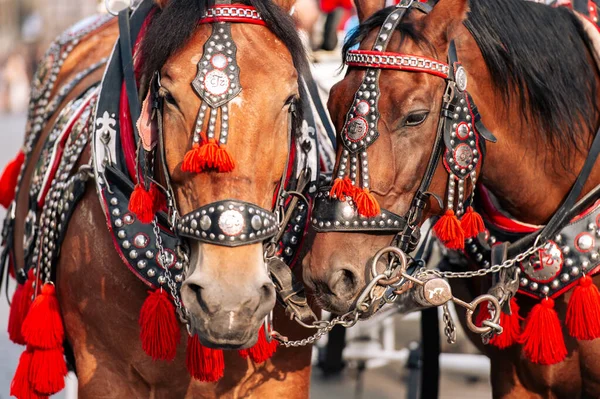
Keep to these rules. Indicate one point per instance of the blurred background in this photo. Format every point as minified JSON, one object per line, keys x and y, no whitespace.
{"x":377,"y":359}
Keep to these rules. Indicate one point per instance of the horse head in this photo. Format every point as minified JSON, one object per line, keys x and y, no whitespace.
{"x":392,"y":117}
{"x":226,"y":136}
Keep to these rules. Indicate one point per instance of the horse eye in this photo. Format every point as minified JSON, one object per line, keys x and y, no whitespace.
{"x":416,"y":118}
{"x":167,"y":96}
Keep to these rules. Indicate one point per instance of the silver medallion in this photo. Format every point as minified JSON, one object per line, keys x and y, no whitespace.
{"x":219,"y":61}
{"x":216,"y":82}
{"x":544,"y":265}
{"x":140,"y":240}
{"x":205,"y":222}
{"x":462,"y":132}
{"x":231,"y":222}
{"x":362,"y":108}
{"x":256,"y":222}
{"x":463,"y":155}
{"x":357,"y":129}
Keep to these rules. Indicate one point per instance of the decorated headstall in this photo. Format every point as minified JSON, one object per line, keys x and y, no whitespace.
{"x":348,"y":205}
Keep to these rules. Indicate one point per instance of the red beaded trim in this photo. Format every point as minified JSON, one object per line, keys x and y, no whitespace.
{"x":396,"y":61}
{"x":233,"y":13}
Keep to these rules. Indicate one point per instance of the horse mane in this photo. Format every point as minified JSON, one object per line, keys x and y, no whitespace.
{"x":536,"y":54}
{"x":171,"y":28}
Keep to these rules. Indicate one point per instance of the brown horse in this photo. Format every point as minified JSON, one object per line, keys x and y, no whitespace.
{"x":227,"y":290}
{"x":531,"y":73}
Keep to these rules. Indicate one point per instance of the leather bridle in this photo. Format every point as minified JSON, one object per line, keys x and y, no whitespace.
{"x":458,"y":132}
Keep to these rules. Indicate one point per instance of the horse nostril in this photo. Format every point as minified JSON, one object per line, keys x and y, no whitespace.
{"x":343,"y":283}
{"x":267,"y":291}
{"x":197,"y":290}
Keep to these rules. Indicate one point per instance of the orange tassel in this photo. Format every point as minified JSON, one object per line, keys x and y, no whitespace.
{"x":511,"y":327}
{"x":204,"y":364}
{"x":449,"y":231}
{"x":20,"y":386}
{"x":366,"y":204}
{"x":141,"y":204}
{"x":583,"y":312}
{"x":43,"y":327}
{"x":159,"y":331}
{"x":342,"y":188}
{"x":483,"y":314}
{"x":542,"y":337}
{"x":472,"y":223}
{"x":262,"y":350}
{"x":223,"y":161}
{"x":47,"y":371}
{"x":8,"y":181}
{"x":18,"y":309}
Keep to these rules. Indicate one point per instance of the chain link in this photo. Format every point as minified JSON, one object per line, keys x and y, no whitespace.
{"x":507,"y":264}
{"x":170,"y":282}
{"x":450,"y":328}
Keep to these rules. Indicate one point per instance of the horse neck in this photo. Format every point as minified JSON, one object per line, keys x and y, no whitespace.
{"x":524,"y":172}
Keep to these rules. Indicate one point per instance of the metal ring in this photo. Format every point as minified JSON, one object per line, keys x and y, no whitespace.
{"x":495,"y":319}
{"x":395,"y":250}
{"x":108,"y":9}
{"x":267,"y":325}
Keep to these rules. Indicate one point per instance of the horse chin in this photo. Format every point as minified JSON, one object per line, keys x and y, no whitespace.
{"x":234,"y":339}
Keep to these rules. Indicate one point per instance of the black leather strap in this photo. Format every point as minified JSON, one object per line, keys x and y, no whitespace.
{"x":560,"y":218}
{"x":313,"y":91}
{"x":126,"y":52}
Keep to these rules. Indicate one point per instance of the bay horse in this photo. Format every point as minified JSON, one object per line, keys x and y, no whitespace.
{"x":530,"y":71}
{"x":227,"y":290}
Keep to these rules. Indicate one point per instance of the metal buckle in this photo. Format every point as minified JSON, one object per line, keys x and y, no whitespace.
{"x":405,"y":4}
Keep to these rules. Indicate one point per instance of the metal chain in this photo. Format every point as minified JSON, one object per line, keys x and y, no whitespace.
{"x":450,"y":328}
{"x":507,"y":264}
{"x":170,"y":282}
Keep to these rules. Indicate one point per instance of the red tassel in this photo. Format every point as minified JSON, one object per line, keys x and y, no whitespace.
{"x":202,"y":157}
{"x":511,"y":327}
{"x":43,"y":327}
{"x":47,"y":371}
{"x":19,"y":307}
{"x":159,"y":200}
{"x":262,"y":350}
{"x":483,"y":314}
{"x":20,"y":386}
{"x":366,"y":204}
{"x":204,"y":364}
{"x":449,"y":231}
{"x":542,"y":337}
{"x":159,"y":330}
{"x":8,"y":181}
{"x":342,"y":188}
{"x":223,"y":161}
{"x":583,"y":312}
{"x":472,"y":223}
{"x":141,"y":204}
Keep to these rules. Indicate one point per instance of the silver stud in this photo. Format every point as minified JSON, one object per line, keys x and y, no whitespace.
{"x":149,"y":254}
{"x":142,"y":264}
{"x":133,"y":254}
{"x":564,"y":277}
{"x":116,"y":212}
{"x":114,"y":201}
{"x":558,"y":238}
{"x":585,"y":242}
{"x":523,"y":282}
{"x":205,"y":222}
{"x":140,"y":240}
{"x":574,"y":271}
{"x":256,"y":222}
{"x":555,"y":284}
{"x":533,"y":286}
{"x":545,"y":289}
{"x":151,"y":273}
{"x":121,"y":234}
{"x":178,"y":265}
{"x":179,"y":278}
{"x":162,"y":280}
{"x":194,"y":224}
{"x":126,"y":244}
{"x":119,"y":223}
{"x":565,"y":250}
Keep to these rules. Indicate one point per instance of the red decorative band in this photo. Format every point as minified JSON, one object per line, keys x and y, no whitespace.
{"x":233,"y":13}
{"x":396,"y":61}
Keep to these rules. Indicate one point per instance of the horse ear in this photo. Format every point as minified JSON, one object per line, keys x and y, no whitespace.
{"x":161,"y":3}
{"x":444,"y":19}
{"x":366,"y":8}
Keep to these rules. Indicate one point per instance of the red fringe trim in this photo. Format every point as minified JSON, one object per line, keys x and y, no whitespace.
{"x":8,"y":181}
{"x":542,"y":337}
{"x":159,"y":330}
{"x":472,"y":223}
{"x":449,"y":231}
{"x":511,"y":327}
{"x":204,"y":364}
{"x":141,"y":204}
{"x":366,"y":204}
{"x":583,"y":312}
{"x":342,"y":188}
{"x":262,"y":350}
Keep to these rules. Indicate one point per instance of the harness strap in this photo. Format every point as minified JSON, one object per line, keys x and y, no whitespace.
{"x":126,"y":50}
{"x":560,"y":218}
{"x":313,"y":91}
